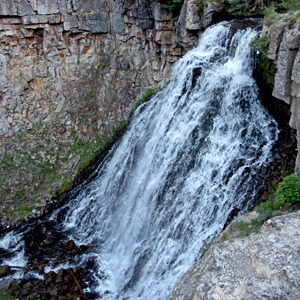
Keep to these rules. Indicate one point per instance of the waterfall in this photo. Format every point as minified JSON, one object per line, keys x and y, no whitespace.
{"x":189,"y":158}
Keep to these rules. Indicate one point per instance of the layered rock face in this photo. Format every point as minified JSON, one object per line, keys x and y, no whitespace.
{"x":284,"y":50}
{"x":62,"y":58}
{"x":262,"y":266}
{"x":69,"y":71}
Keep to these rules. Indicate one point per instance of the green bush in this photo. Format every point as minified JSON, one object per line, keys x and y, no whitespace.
{"x":289,"y":189}
{"x":270,"y":9}
{"x":270,"y":15}
{"x":147,"y":94}
{"x":261,"y":44}
{"x":173,"y":5}
{"x":290,"y":5}
{"x":245,"y":8}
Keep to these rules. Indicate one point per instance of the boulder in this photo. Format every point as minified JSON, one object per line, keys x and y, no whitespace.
{"x":264,"y":265}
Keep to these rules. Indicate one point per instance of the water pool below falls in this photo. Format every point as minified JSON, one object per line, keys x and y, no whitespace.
{"x":188,"y":159}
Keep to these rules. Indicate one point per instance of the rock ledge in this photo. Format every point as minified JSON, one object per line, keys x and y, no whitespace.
{"x":265,"y":265}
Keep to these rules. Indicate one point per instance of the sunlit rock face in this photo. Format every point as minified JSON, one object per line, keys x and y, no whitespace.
{"x":261,"y":265}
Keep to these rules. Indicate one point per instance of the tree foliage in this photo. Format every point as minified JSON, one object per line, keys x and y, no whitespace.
{"x":172,"y":5}
{"x":269,"y":8}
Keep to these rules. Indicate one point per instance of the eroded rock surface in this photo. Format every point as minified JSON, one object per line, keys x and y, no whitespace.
{"x":69,"y":71}
{"x":284,"y":50}
{"x":265,"y":265}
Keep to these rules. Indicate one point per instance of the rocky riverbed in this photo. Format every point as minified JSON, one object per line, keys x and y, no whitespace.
{"x":45,"y":247}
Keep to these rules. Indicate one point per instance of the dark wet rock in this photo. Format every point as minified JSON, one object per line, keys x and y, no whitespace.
{"x":4,"y":271}
{"x":6,"y":284}
{"x":54,"y":286}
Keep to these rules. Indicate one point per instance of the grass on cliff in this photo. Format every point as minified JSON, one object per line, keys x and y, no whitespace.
{"x":271,"y":10}
{"x":148,"y":93}
{"x":43,"y":162}
{"x":284,"y":198}
{"x":172,"y":5}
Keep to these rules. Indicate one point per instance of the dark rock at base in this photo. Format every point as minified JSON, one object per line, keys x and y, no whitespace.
{"x":54,"y":286}
{"x":4,"y":271}
{"x":6,"y":284}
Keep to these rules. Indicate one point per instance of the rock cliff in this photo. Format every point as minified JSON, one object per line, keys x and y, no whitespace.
{"x":69,"y":71}
{"x":262,"y":266}
{"x":61,"y":58}
{"x":284,"y":51}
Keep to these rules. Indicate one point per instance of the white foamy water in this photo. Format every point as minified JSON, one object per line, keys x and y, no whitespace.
{"x":188,"y":158}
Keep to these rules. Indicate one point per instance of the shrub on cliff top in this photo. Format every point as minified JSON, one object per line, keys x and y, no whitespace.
{"x":289,"y":189}
{"x":270,"y":9}
{"x":245,"y":8}
{"x":173,"y":5}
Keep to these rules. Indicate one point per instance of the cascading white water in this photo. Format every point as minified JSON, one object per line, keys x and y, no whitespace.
{"x":188,"y":158}
{"x":186,"y":161}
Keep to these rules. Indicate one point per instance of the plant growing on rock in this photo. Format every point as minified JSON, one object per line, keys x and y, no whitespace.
{"x":289,"y":189}
{"x":173,"y":5}
{"x":245,"y":8}
{"x":271,"y":10}
{"x":261,"y":44}
{"x":261,"y":47}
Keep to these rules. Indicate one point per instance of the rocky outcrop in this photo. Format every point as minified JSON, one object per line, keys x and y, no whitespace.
{"x":262,"y":266}
{"x":284,"y":50}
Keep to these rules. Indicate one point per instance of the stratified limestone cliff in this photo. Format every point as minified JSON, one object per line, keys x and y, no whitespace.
{"x":60,"y":58}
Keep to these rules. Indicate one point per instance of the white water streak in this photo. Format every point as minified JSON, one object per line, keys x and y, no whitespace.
{"x":188,"y":158}
{"x":184,"y":163}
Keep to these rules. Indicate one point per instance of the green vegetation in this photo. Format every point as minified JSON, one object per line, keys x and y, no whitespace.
{"x":289,"y":190}
{"x":104,"y":63}
{"x":261,"y":44}
{"x":245,"y":8}
{"x":24,"y":209}
{"x":144,"y":97}
{"x":266,"y":65}
{"x":248,"y":228}
{"x":7,"y":296}
{"x":271,"y":11}
{"x":284,"y":198}
{"x":89,"y":151}
{"x":44,"y":161}
{"x":148,"y":93}
{"x":173,"y":5}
